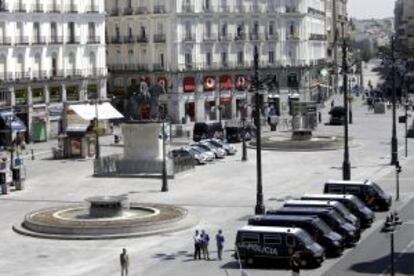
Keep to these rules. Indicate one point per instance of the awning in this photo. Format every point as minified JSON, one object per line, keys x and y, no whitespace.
{"x":88,"y":111}
{"x":16,"y":124}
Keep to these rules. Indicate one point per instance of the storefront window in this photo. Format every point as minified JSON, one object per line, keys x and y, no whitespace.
{"x":38,"y":95}
{"x":72,"y":93}
{"x":21,"y":96}
{"x":55,"y":95}
{"x":92,"y":91}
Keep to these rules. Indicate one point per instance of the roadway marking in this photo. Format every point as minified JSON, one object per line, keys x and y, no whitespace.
{"x":398,"y":257}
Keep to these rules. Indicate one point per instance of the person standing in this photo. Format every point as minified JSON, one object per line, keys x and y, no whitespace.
{"x":197,"y":245}
{"x":295,"y":261}
{"x":220,"y":243}
{"x":205,"y":239}
{"x":124,"y":259}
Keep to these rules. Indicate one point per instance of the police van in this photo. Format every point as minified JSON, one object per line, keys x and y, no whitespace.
{"x":329,"y":216}
{"x":277,"y":244}
{"x":339,"y":207}
{"x":353,"y":203}
{"x":332,"y":242}
{"x":369,"y":192}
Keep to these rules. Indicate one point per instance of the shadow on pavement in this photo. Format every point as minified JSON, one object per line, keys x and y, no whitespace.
{"x":403,"y":265}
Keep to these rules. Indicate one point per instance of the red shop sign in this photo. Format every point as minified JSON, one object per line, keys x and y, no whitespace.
{"x":209,"y":83}
{"x":189,"y":84}
{"x":225,"y":82}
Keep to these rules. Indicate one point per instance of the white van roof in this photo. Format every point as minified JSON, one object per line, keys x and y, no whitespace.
{"x":349,"y":182}
{"x":311,"y":202}
{"x":329,"y":196}
{"x":270,"y":229}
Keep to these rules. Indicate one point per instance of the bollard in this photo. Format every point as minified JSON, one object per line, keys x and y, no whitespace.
{"x":17,"y":179}
{"x":33,"y":157}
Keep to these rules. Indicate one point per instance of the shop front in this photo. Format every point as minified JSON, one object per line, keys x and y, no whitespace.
{"x":10,"y":127}
{"x":225,"y":102}
{"x":39,"y":125}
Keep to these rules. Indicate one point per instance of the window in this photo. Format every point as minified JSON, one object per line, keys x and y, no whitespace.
{"x":240,"y":57}
{"x":224,"y":58}
{"x":208,"y":59}
{"x":71,"y":27}
{"x":272,"y":239}
{"x":53,"y":32}
{"x":353,"y":189}
{"x":250,"y":238}
{"x":188,"y":59}
{"x":162,"y":60}
{"x":91,"y":30}
{"x":224,"y":29}
{"x":271,"y":57}
{"x":336,"y":189}
{"x":271,"y":27}
{"x":290,"y":241}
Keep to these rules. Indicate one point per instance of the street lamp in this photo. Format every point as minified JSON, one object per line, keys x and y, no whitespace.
{"x":394,"y":141}
{"x":244,"y":147}
{"x":260,"y":208}
{"x":406,"y":128}
{"x":164,"y":187}
{"x":346,"y":165}
{"x":390,"y":226}
{"x":97,"y":146}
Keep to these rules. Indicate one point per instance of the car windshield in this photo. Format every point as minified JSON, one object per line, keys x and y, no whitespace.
{"x":305,"y":238}
{"x":377,"y":188}
{"x":194,"y":151}
{"x":323,"y":226}
{"x":200,"y":149}
{"x":357,"y":202}
{"x":211,"y":145}
{"x":342,"y":209}
{"x":204,"y":147}
{"x":338,"y":217}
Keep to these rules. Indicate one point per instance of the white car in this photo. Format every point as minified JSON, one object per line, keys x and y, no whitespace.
{"x":230,"y":149}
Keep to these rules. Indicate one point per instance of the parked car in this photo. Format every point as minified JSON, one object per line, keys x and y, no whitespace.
{"x":207,"y":130}
{"x":234,"y":134}
{"x":277,"y":243}
{"x":230,"y":149}
{"x":218,"y":152}
{"x":199,"y":158}
{"x":209,"y":154}
{"x":367,"y":191}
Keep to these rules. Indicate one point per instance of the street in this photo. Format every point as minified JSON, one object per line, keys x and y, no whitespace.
{"x":222,"y":196}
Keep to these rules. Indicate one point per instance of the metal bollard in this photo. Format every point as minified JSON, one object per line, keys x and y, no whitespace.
{"x":32,"y":151}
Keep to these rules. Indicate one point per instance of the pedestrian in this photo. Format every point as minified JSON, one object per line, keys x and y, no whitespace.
{"x":332,"y":103}
{"x":320,"y":117}
{"x":205,"y":239}
{"x":220,"y":243}
{"x":124,"y":259}
{"x":295,"y":261}
{"x":197,"y":245}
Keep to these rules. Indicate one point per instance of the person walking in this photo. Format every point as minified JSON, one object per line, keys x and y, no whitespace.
{"x":295,"y":263}
{"x":124,"y":259}
{"x":220,"y":243}
{"x":205,"y":239}
{"x":197,"y":245}
{"x":332,"y":103}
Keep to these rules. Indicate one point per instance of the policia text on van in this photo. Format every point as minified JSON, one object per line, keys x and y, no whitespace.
{"x":329,"y":216}
{"x":271,"y":243}
{"x":332,"y":242}
{"x":369,"y":192}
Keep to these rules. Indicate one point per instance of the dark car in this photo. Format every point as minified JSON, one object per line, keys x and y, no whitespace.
{"x":207,"y":131}
{"x":234,"y":134}
{"x":337,"y":115}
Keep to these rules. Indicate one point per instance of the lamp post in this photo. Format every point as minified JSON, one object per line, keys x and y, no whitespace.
{"x":164,"y":187}
{"x":394,"y":141}
{"x":244,"y":147}
{"x":97,"y":146}
{"x":260,"y":208}
{"x":390,"y":226}
{"x":346,"y":166}
{"x":406,"y":128}
{"x":398,"y":170}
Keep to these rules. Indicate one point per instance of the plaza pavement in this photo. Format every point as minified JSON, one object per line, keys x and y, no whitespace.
{"x":222,"y":195}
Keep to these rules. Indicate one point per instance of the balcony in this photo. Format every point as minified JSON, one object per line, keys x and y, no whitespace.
{"x":56,"y":40}
{"x":159,"y":38}
{"x":316,"y":12}
{"x":225,"y":8}
{"x":129,"y":39}
{"x":208,"y":9}
{"x":4,"y":7}
{"x":189,"y":37}
{"x":115,"y":12}
{"x":128,"y":67}
{"x":159,"y":9}
{"x":128,"y":11}
{"x":92,"y":9}
{"x":54,"y":8}
{"x":20,"y":8}
{"x":72,"y":8}
{"x":39,"y":75}
{"x":39,"y":40}
{"x":116,"y":40}
{"x":240,"y":37}
{"x":5,"y":41}
{"x":73,"y":40}
{"x":318,"y":37}
{"x":142,"y":39}
{"x":73,"y":73}
{"x":225,"y":38}
{"x":187,"y":9}
{"x":95,"y":72}
{"x":158,"y":67}
{"x":21,"y":76}
{"x":6,"y":76}
{"x":38,"y":100}
{"x":94,"y":40}
{"x":141,"y":10}
{"x":21,"y":100}
{"x":21,"y":40}
{"x":272,"y":37}
{"x":255,"y":9}
{"x":255,"y":36}
{"x":57,"y":74}
{"x":209,"y":37}
{"x":293,"y":37}
{"x":37,"y":8}
{"x":240,"y":9}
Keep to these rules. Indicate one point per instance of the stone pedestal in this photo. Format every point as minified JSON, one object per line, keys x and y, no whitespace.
{"x":142,"y":141}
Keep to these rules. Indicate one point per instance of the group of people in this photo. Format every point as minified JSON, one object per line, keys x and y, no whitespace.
{"x":201,"y":243}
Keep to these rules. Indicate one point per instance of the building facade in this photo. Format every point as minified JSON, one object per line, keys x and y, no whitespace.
{"x":404,"y":25}
{"x":203,"y":50}
{"x":51,"y":52}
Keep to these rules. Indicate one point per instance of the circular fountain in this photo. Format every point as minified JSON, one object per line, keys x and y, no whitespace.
{"x":104,"y":218}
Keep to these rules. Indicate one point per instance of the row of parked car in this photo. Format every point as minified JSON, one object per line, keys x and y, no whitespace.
{"x":205,"y":151}
{"x":314,"y":226}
